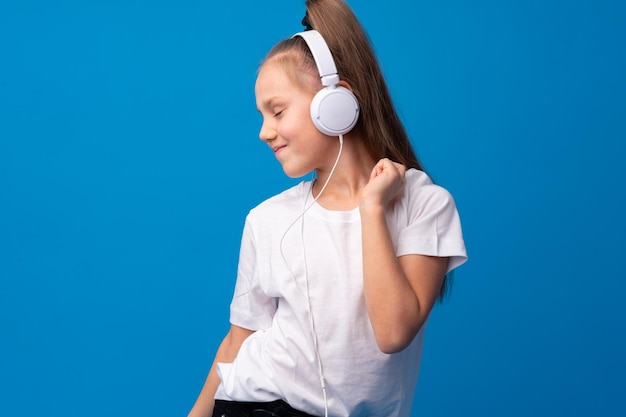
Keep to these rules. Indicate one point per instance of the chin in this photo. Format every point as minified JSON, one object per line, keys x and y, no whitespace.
{"x":295,"y":173}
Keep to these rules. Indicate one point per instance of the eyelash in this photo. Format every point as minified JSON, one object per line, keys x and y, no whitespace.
{"x":278,"y":113}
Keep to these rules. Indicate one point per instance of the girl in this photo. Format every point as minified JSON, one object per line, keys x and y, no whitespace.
{"x":337,"y":275}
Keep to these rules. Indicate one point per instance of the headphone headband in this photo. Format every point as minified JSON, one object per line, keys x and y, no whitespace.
{"x":322,"y":56}
{"x":334,"y":109}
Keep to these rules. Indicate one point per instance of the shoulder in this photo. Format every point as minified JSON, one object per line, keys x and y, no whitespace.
{"x":419,"y":183}
{"x":428,"y":220}
{"x":280,"y":205}
{"x":422,"y":194}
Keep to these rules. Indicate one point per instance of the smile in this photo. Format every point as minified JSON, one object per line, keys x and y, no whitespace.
{"x":278,"y":148}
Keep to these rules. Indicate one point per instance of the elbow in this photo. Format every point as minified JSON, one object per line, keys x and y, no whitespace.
{"x":395,"y":340}
{"x":390,"y":347}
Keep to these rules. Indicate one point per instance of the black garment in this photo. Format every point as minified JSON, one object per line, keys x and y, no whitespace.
{"x":278,"y":408}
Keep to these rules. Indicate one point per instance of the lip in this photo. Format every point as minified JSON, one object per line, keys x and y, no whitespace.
{"x":277,"y":149}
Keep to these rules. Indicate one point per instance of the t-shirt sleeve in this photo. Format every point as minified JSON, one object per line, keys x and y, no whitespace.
{"x":434,"y":226}
{"x":250,"y":308}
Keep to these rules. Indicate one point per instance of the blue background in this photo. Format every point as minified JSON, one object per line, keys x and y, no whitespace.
{"x":129,"y":158}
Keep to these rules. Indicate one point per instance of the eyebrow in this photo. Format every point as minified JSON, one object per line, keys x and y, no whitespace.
{"x":268,"y":103}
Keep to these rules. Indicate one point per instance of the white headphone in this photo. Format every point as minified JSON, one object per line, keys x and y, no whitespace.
{"x":334,"y":109}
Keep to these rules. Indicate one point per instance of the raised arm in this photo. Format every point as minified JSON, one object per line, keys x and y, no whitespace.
{"x":399,"y":291}
{"x":226,"y":353}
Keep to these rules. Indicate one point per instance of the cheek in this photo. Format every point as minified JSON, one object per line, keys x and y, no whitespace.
{"x":298,"y":124}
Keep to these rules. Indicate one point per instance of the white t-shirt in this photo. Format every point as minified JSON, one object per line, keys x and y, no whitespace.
{"x":278,"y":361}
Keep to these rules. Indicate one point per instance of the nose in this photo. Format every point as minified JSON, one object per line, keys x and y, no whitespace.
{"x":267,"y":132}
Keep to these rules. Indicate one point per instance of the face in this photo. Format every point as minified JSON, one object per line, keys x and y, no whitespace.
{"x":287,"y":127}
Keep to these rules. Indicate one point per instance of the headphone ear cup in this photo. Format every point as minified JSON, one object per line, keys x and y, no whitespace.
{"x":334,"y":110}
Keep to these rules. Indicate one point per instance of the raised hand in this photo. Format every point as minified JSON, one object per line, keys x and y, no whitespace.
{"x":385,"y":184}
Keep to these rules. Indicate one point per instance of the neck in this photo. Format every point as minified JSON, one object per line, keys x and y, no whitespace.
{"x":351,"y":174}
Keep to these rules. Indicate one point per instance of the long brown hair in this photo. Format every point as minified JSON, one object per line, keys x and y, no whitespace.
{"x":379,"y":125}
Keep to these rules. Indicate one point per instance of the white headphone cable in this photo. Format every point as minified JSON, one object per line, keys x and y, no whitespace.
{"x":306,"y":272}
{"x":306,"y":208}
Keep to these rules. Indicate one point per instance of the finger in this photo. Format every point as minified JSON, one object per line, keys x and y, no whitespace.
{"x":400,"y":169}
{"x":376,"y":171}
{"x":399,"y":166}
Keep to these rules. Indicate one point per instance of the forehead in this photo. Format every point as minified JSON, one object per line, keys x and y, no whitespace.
{"x":272,"y":76}
{"x":284,"y":74}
